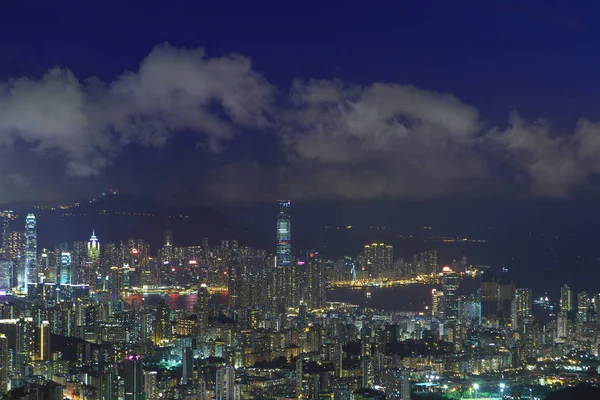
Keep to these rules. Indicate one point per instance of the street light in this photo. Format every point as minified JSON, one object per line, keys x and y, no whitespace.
{"x":475,"y":388}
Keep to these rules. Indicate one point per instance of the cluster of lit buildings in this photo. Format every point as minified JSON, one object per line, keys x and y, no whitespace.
{"x":117,"y":321}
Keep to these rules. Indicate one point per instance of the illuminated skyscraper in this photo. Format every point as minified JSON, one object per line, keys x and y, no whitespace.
{"x":109,"y":384}
{"x":44,"y":341}
{"x":203,"y":297}
{"x":6,"y":271}
{"x":151,"y":384}
{"x":284,"y":235}
{"x":506,"y":296}
{"x":437,"y":300}
{"x":93,"y":249}
{"x":81,"y":269}
{"x":583,"y":307}
{"x":311,"y":278}
{"x":4,"y":363}
{"x":187,"y":359}
{"x":31,"y":272}
{"x":524,"y":304}
{"x":287,"y":294}
{"x":566,"y":299}
{"x":489,"y":298}
{"x":65,"y":268}
{"x":166,"y":252}
{"x":450,"y":281}
{"x":134,"y":378}
{"x":25,"y":342}
{"x":162,"y":327}
{"x":6,"y":217}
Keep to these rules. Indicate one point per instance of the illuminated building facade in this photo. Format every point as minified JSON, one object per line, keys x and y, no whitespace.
{"x":311,"y":279}
{"x":203,"y":297}
{"x":134,"y":378}
{"x":225,"y":384}
{"x":4,"y":363}
{"x":450,"y":280}
{"x":566,"y":299}
{"x":81,"y":272}
{"x":284,"y":235}
{"x":437,"y":301}
{"x":287,"y":293}
{"x":65,"y":268}
{"x":523,"y":306}
{"x":6,"y":217}
{"x":379,"y":258}
{"x":489,"y":298}
{"x":6,"y":272}
{"x":44,"y":341}
{"x":506,"y":296}
{"x":93,"y":249}
{"x":31,"y":272}
{"x":583,"y":308}
{"x":247,"y":278}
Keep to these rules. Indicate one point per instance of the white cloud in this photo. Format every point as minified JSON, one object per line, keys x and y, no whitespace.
{"x":397,"y":135}
{"x":341,"y":140}
{"x":174,"y":89}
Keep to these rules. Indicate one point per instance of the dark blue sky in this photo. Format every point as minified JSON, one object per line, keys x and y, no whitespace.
{"x":538,"y":58}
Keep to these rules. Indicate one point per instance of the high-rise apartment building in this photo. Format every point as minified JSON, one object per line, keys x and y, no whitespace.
{"x":44,"y":341}
{"x":523,"y":306}
{"x":151,"y":384}
{"x":437,"y":301}
{"x":81,"y":272}
{"x":6,"y":272}
{"x":583,"y":307}
{"x":108,"y":388}
{"x":4,"y":363}
{"x":225,"y":384}
{"x":134,"y":378}
{"x":379,"y":258}
{"x":203,"y":297}
{"x":248,"y":278}
{"x":566,"y":299}
{"x":311,"y":279}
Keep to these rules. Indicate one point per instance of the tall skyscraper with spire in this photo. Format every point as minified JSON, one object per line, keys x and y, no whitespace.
{"x":284,"y":235}
{"x":93,"y":248}
{"x":286,"y":295}
{"x":31,"y":272}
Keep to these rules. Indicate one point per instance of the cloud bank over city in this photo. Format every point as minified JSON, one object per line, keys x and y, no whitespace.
{"x":340,"y":140}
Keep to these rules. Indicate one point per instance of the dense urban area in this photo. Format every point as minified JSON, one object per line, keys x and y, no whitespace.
{"x":224,"y":321}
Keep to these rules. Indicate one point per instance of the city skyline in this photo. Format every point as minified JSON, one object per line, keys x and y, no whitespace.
{"x":321,"y":200}
{"x":472,"y":308}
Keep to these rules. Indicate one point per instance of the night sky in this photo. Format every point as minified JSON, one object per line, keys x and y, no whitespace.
{"x":239,"y":102}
